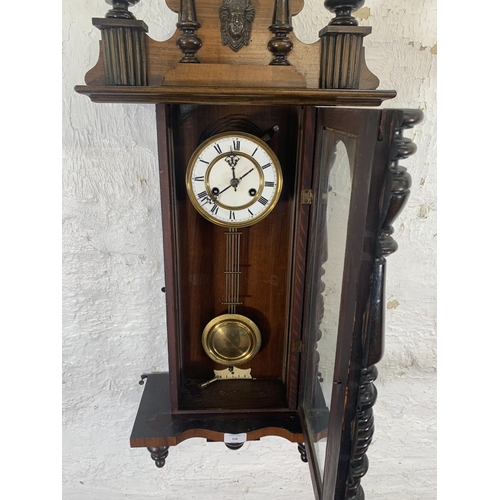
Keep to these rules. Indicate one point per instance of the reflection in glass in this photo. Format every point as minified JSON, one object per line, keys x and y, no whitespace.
{"x":330,"y":233}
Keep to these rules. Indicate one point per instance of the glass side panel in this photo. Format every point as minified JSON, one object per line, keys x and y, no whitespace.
{"x":326,"y":275}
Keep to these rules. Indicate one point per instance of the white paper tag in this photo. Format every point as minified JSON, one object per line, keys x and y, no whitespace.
{"x":235,"y":438}
{"x":234,"y":373}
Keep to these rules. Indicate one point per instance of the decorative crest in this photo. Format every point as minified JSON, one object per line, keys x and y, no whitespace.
{"x":236,"y":17}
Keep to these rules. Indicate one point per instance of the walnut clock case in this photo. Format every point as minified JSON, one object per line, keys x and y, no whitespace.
{"x":279,"y":189}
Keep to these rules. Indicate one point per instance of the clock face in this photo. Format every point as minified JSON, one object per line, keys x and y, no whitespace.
{"x":234,"y":179}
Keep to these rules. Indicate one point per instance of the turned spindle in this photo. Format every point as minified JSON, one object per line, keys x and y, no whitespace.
{"x":364,"y":433}
{"x":280,"y":45}
{"x":189,"y":43}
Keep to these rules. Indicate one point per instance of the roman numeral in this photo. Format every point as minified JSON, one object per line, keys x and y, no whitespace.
{"x":265,"y":166}
{"x":236,"y":145}
{"x":218,"y":148}
{"x":231,"y":215}
{"x":263,"y":200}
{"x":250,"y":212}
{"x":203,"y":161}
{"x":269,"y":184}
{"x":214,"y":209}
{"x":204,"y":198}
{"x":255,"y":151}
{"x":199,"y":178}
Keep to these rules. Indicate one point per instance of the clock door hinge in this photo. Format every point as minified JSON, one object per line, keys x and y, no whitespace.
{"x":297,"y":346}
{"x":306,"y":197}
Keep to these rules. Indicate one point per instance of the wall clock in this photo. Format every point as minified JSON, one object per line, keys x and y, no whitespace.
{"x":274,"y":158}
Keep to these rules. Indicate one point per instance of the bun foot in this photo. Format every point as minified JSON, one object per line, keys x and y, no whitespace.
{"x":159,"y":454}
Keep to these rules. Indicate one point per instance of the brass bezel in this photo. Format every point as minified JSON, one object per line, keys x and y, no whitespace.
{"x":219,"y":323}
{"x":194,"y":199}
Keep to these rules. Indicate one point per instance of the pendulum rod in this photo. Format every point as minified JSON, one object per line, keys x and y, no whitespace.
{"x":232,"y":271}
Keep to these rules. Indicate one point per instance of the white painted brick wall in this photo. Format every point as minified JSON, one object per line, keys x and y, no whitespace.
{"x":114,"y":324}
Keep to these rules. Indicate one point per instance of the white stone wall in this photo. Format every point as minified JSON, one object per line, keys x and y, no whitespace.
{"x":113,"y":310}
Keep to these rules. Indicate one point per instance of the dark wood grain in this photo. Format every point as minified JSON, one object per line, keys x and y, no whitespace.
{"x":361,"y":126}
{"x":243,"y":96}
{"x":342,"y":56}
{"x":265,"y":250}
{"x":124,"y":50}
{"x":237,"y":395}
{"x":162,"y":57}
{"x":343,"y":63}
{"x":169,"y":218}
{"x":157,"y":426}
{"x":306,"y":162}
{"x":391,"y":183}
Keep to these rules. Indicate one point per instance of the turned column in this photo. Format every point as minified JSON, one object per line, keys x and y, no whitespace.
{"x":123,"y":45}
{"x":342,"y":46}
{"x":395,"y":196}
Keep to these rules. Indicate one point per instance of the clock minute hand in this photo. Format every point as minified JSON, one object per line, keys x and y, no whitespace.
{"x":245,"y":174}
{"x":225,"y":189}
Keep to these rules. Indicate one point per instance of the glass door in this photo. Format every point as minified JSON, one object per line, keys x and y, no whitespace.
{"x":340,"y":248}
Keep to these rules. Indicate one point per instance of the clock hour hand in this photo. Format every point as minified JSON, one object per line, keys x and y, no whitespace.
{"x":232,"y":160}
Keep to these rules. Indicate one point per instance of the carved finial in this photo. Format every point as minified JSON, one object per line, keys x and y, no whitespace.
{"x":188,"y":42}
{"x":280,"y":45}
{"x":120,"y":9}
{"x":343,"y":10}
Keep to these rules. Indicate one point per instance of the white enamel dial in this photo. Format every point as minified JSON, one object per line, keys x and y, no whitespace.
{"x":234,"y":179}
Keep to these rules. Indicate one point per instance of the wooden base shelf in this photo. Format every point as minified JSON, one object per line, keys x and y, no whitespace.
{"x":231,"y":95}
{"x":155,"y":426}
